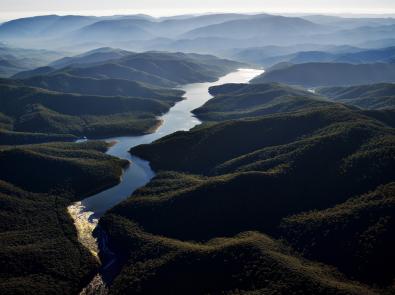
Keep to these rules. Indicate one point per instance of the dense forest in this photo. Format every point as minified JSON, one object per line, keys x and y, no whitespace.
{"x":371,"y":96}
{"x":259,"y":167}
{"x":39,"y":249}
{"x":42,"y":114}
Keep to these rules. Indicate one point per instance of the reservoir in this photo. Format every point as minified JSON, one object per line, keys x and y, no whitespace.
{"x":87,"y":212}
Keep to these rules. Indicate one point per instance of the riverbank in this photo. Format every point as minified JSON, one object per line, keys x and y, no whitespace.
{"x":87,"y":212}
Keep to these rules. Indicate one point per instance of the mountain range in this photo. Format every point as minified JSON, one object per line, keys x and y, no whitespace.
{"x":286,"y":184}
{"x":372,"y":96}
{"x":156,"y":68}
{"x":140,"y":32}
{"x":14,"y":60}
{"x":100,"y":93}
{"x":266,"y":57}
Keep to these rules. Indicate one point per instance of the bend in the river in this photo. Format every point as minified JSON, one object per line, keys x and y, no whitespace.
{"x":87,"y":212}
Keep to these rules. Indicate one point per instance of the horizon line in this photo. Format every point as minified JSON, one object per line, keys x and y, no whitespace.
{"x":13,"y":15}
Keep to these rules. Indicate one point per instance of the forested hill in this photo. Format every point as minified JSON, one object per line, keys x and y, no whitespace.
{"x":35,"y":110}
{"x":372,"y":96}
{"x":251,"y":173}
{"x":39,"y":248}
{"x":236,"y":101}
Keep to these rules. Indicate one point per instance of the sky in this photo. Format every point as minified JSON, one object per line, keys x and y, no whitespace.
{"x":10,"y":9}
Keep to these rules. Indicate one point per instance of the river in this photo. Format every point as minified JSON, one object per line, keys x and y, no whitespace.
{"x":87,"y":212}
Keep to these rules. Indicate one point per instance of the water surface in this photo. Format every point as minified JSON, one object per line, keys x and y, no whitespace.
{"x":178,"y":118}
{"x":87,"y":212}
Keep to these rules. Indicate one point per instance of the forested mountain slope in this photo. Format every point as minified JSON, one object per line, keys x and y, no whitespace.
{"x":39,"y":249}
{"x":235,"y":101}
{"x":372,"y":96}
{"x":250,"y":174}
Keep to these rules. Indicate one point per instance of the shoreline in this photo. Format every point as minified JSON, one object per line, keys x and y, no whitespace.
{"x":155,"y":127}
{"x":86,"y":223}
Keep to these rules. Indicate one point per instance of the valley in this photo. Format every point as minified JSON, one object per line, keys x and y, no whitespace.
{"x":200,"y":153}
{"x":87,"y":212}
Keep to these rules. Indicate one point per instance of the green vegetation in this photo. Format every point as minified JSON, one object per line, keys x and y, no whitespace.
{"x":249,"y":174}
{"x":8,"y":137}
{"x":39,"y":250}
{"x":359,"y":233}
{"x":255,"y":181}
{"x":39,"y":247}
{"x":74,"y":167}
{"x":374,"y":96}
{"x":35,"y":110}
{"x":329,"y":74}
{"x":235,"y":101}
{"x":218,"y":146}
{"x":249,"y":263}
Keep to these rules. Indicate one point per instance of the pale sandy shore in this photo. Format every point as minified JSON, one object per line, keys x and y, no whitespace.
{"x":85,"y":226}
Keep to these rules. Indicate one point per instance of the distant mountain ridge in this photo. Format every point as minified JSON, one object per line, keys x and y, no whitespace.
{"x":266,"y":25}
{"x":103,"y":92}
{"x":329,"y":74}
{"x":92,"y":56}
{"x":373,"y":96}
{"x":14,"y":60}
{"x":142,"y":33}
{"x":269,"y":57}
{"x":157,"y":68}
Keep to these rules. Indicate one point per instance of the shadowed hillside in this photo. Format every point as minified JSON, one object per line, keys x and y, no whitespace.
{"x":248,"y":263}
{"x":39,"y":249}
{"x":235,"y":101}
{"x":249,"y":174}
{"x":359,"y":232}
{"x":268,"y":176}
{"x":31,"y":110}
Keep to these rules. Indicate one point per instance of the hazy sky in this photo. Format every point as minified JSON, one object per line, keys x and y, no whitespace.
{"x":17,"y":8}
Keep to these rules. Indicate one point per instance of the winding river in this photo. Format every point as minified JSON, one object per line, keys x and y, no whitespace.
{"x":87,"y":212}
